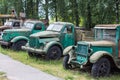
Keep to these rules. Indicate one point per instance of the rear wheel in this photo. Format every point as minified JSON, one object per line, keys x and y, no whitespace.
{"x":66,"y":65}
{"x":101,"y":68}
{"x":17,"y":45}
{"x":54,"y":53}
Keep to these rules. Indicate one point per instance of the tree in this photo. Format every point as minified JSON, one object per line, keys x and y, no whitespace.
{"x":117,"y":2}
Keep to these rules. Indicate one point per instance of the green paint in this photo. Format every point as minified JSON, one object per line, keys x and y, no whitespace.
{"x":107,"y":43}
{"x":56,"y":34}
{"x":102,"y":48}
{"x":14,"y":35}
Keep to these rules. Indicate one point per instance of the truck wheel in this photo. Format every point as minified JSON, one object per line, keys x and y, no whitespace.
{"x":30,"y":54}
{"x":54,"y":53}
{"x":17,"y":45}
{"x":101,"y":68}
{"x":65,"y":62}
{"x":3,"y":46}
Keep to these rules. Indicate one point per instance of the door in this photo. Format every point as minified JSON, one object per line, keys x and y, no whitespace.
{"x":119,"y":49}
{"x":68,"y":36}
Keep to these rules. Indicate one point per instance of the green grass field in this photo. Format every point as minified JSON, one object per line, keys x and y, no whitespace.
{"x":54,"y":67}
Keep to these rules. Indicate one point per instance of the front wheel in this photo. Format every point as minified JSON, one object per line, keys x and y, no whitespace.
{"x":66,"y":65}
{"x":3,"y":46}
{"x":17,"y":45}
{"x":101,"y":68}
{"x":30,"y":54}
{"x":54,"y":53}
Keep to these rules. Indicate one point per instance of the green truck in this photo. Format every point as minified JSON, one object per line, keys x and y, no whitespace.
{"x":101,"y":55}
{"x":15,"y":38}
{"x":51,"y":42}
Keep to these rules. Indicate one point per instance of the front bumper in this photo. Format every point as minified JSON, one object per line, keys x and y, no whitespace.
{"x":4,"y":43}
{"x":39,"y":51}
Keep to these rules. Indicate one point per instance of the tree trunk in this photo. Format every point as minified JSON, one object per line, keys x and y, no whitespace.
{"x":76,"y":13}
{"x":117,"y":11}
{"x":29,"y":8}
{"x":56,"y":18}
{"x":36,"y":9}
{"x":46,"y":12}
{"x":89,"y":21}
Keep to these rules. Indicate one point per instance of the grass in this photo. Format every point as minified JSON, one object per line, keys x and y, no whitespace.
{"x":2,"y":76}
{"x":2,"y":73}
{"x":53,"y":67}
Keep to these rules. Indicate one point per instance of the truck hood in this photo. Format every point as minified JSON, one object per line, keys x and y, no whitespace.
{"x":45,"y":34}
{"x":101,"y":43}
{"x":17,"y":30}
{"x":4,"y":27}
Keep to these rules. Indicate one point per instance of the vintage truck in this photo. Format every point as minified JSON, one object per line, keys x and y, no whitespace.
{"x":51,"y":42}
{"x":101,"y":55}
{"x":15,"y":38}
{"x":10,"y":24}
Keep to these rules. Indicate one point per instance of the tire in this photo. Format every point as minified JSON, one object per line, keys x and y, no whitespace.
{"x":3,"y":46}
{"x":30,"y":54}
{"x":65,"y":62}
{"x":17,"y":45}
{"x":54,"y":53}
{"x":101,"y":68}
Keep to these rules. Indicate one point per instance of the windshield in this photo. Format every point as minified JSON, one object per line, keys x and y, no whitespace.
{"x":28,"y":25}
{"x":8,"y":23}
{"x":55,"y":27}
{"x":106,"y":34}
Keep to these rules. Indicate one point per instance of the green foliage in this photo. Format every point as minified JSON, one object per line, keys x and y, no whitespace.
{"x":80,"y":12}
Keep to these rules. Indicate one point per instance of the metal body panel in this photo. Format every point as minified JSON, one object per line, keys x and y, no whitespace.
{"x":106,"y":45}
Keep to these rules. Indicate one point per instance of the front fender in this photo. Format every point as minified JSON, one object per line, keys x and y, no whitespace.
{"x":15,"y":39}
{"x":51,"y":43}
{"x":97,"y":55}
{"x":67,"y":50}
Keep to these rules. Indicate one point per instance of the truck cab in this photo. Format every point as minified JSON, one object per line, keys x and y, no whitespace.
{"x":15,"y":38}
{"x":100,"y":55}
{"x":10,"y":24}
{"x":51,"y":42}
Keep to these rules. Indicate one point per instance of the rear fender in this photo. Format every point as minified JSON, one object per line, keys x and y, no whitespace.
{"x":97,"y":55}
{"x":19,"y":38}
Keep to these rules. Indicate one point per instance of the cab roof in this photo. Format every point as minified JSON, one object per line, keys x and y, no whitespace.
{"x":63,"y":23}
{"x":107,"y":26}
{"x":34,"y":21}
{"x":14,"y":20}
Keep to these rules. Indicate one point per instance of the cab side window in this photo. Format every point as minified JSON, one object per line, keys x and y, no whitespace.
{"x":38,"y":27}
{"x":68,"y":29}
{"x":16,"y":24}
